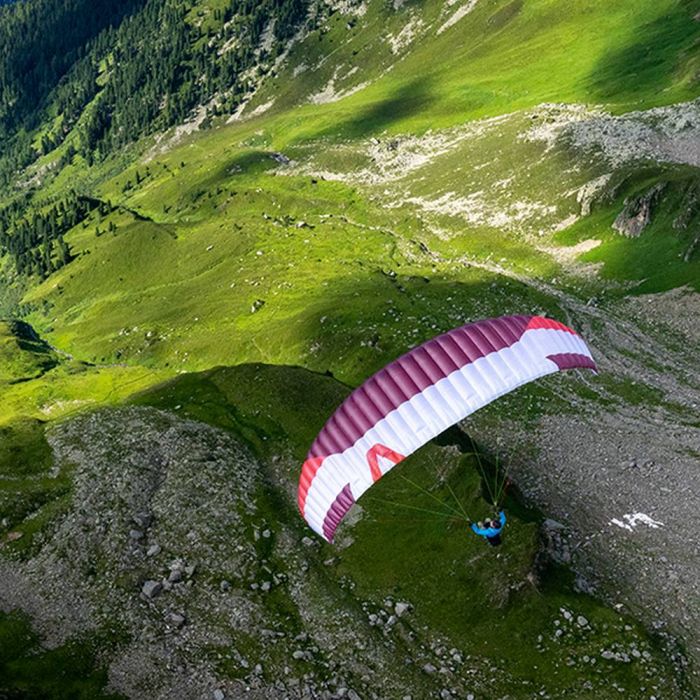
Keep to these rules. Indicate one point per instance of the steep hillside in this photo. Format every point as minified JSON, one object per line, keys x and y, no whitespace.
{"x":23,"y":355}
{"x":324,"y":186}
{"x":180,"y":550}
{"x":82,"y":80}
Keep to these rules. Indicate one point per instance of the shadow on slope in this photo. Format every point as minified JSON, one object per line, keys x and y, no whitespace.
{"x":371,"y":316}
{"x":23,"y":354}
{"x":403,"y":102}
{"x":666,"y":253}
{"x":656,"y":56}
{"x":27,"y":670}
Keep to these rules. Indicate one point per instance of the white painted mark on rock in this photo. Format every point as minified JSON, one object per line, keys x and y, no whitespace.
{"x":631,"y":520}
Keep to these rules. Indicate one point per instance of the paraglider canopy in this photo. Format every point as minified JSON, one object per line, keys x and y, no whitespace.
{"x":418,"y":396}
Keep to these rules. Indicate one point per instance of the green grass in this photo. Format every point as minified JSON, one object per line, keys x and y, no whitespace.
{"x":190,"y":308}
{"x":655,"y":260}
{"x":211,"y":229}
{"x":31,"y":497}
{"x":23,"y":448}
{"x":23,"y":356}
{"x":503,"y":56}
{"x":67,"y":390}
{"x":28,"y":671}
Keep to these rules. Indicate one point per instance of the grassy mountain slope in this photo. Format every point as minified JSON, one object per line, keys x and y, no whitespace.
{"x":499,"y":57}
{"x":403,"y":168}
{"x":190,"y":194}
{"x":23,"y":356}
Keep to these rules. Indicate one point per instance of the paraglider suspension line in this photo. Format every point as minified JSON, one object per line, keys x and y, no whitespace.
{"x":435,"y":498}
{"x":458,"y":502}
{"x":484,"y":477}
{"x":442,"y":514}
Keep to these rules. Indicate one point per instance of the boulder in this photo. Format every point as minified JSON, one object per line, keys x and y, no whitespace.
{"x":401,"y":609}
{"x":143,"y":520}
{"x":176,"y":619}
{"x":637,"y":212}
{"x":151,"y":589}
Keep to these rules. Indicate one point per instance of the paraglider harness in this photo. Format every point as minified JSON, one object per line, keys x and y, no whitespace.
{"x":492,"y":533}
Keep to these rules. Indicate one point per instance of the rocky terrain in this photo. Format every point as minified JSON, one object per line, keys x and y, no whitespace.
{"x":164,"y":546}
{"x":199,"y":259}
{"x":623,"y":474}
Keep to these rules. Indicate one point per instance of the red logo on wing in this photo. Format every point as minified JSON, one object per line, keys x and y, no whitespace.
{"x":377,"y":451}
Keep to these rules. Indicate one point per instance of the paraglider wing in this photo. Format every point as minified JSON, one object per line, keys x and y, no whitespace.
{"x":420,"y":395}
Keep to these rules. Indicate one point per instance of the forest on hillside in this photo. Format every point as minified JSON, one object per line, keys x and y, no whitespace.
{"x":83,"y":79}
